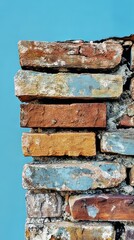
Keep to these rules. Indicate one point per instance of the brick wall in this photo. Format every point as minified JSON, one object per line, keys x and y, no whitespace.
{"x":78,"y":102}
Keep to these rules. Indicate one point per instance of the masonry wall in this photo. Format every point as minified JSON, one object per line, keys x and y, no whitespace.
{"x":78,"y":103}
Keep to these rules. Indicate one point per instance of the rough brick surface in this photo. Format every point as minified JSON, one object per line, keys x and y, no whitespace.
{"x":132,"y":176}
{"x":59,"y":144}
{"x":32,"y":85}
{"x":73,"y":176}
{"x":73,"y":115}
{"x":127,"y":121}
{"x":75,"y":54}
{"x":69,"y":231}
{"x":42,"y":205}
{"x":102,"y":207}
{"x":121,"y":142}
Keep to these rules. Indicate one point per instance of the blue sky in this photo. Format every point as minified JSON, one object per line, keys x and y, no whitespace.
{"x":45,"y":21}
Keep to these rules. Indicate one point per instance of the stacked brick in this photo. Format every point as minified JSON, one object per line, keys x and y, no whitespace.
{"x":79,"y":105}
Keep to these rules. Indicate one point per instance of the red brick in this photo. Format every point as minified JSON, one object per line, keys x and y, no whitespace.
{"x":73,"y":115}
{"x":102,"y":207}
{"x":127,"y":121}
{"x":73,"y":54}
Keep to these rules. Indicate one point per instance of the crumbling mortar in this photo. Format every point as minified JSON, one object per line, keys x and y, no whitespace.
{"x":115,"y":110}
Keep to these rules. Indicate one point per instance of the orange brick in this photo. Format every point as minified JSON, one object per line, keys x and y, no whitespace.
{"x":59,"y":144}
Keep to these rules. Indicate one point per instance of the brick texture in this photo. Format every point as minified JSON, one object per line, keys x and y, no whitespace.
{"x":70,"y":54}
{"x":73,"y":115}
{"x":79,"y":101}
{"x":127,"y":121}
{"x":42,"y":205}
{"x":73,"y":176}
{"x":102,"y":207}
{"x":59,"y":144}
{"x":31,"y":85}
{"x":70,"y":231}
{"x":121,"y":142}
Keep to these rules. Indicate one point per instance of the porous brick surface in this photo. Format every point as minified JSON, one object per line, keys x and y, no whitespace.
{"x":31,"y":85}
{"x":121,"y":142}
{"x":59,"y":144}
{"x":63,"y":115}
{"x":102,"y":207}
{"x":127,"y":121}
{"x":73,"y":176}
{"x":69,"y":231}
{"x":89,"y":55}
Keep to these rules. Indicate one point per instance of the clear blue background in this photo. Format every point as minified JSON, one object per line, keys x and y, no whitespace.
{"x":45,"y":21}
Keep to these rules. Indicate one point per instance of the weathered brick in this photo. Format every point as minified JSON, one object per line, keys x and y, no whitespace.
{"x":32,"y":85}
{"x":73,"y":176}
{"x":73,"y":54}
{"x":102,"y":207}
{"x":42,"y":205}
{"x":132,"y":58}
{"x":132,"y":176}
{"x":73,"y":115}
{"x":127,"y":121}
{"x":132,"y":88}
{"x":121,"y":142}
{"x":59,"y":144}
{"x":70,"y":231}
